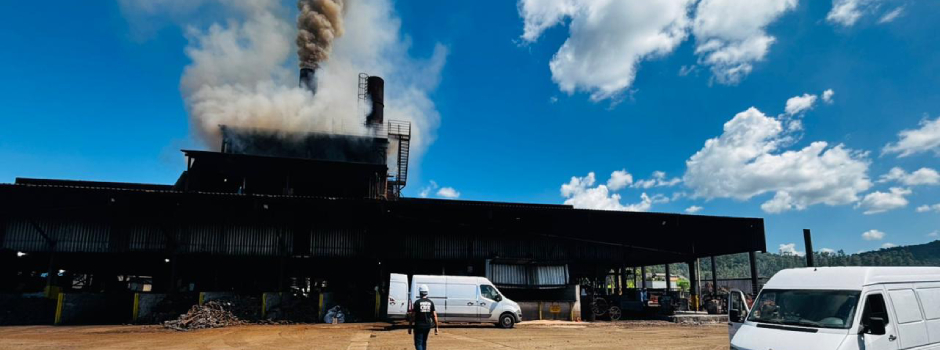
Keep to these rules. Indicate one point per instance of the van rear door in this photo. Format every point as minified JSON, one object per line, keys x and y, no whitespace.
{"x":737,"y":311}
{"x":397,"y":296}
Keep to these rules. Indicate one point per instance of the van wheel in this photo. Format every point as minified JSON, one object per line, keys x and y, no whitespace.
{"x":506,"y":321}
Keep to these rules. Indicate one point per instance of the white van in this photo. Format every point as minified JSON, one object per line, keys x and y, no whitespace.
{"x":456,"y":298}
{"x":841,"y":308}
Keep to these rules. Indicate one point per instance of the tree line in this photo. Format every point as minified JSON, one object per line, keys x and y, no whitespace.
{"x":768,"y":264}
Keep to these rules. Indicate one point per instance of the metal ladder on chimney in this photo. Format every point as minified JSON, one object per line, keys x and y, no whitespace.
{"x":400,"y":131}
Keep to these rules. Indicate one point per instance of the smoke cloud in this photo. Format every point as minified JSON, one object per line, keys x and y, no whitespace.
{"x":242,"y":74}
{"x":319,"y":23}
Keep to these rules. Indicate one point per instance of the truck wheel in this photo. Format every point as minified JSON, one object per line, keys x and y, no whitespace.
{"x":506,"y":321}
{"x":615,"y":313}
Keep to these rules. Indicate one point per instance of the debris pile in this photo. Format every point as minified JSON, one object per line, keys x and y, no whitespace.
{"x":170,"y":307}
{"x":245,"y":307}
{"x":210,"y":315}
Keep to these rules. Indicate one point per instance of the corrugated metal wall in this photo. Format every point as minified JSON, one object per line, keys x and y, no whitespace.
{"x":71,"y":236}
{"x":146,"y":238}
{"x":275,"y":240}
{"x":337,"y":242}
{"x":90,"y":237}
{"x":527,"y":275}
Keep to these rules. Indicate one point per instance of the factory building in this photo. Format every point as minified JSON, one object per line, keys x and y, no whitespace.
{"x":318,"y":214}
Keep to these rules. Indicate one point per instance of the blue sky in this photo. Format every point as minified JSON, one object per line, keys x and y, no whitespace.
{"x":98,"y":91}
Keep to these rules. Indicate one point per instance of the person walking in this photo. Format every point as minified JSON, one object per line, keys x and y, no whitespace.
{"x":423,"y":317}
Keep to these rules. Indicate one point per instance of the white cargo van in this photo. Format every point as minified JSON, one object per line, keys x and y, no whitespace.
{"x":457,"y":299}
{"x":841,"y":308}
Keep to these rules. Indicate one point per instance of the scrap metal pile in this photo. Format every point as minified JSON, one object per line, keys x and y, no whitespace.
{"x":210,"y":315}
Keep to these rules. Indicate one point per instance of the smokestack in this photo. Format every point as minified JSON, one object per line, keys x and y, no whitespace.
{"x":808,"y":240}
{"x":375,"y":88}
{"x":308,"y":79}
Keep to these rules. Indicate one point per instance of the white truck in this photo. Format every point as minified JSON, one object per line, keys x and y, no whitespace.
{"x":841,"y":308}
{"x":456,"y":298}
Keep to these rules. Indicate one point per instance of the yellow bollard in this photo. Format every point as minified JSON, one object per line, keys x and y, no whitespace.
{"x":58,"y":309}
{"x":320,"y":308}
{"x":264,"y":305}
{"x":136,"y":311}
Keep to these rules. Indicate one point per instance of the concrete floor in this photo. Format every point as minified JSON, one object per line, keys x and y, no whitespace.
{"x":535,"y":335}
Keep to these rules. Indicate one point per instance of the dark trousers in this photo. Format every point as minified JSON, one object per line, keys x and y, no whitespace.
{"x":421,"y":338}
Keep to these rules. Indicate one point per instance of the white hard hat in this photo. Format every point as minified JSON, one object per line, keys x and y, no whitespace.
{"x":423,"y":289}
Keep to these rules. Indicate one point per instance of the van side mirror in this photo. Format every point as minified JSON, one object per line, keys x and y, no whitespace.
{"x":874,"y":326}
{"x":734,"y":316}
{"x":499,"y":297}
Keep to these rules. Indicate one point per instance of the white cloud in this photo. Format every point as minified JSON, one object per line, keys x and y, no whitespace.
{"x":922,"y":176}
{"x":827,"y":251}
{"x":580,"y":193}
{"x":891,"y":16}
{"x":847,"y":12}
{"x":619,"y":180}
{"x":693,"y":209}
{"x":731,"y":35}
{"x":781,"y":202}
{"x":888,"y":245}
{"x":660,"y":198}
{"x":914,"y":141}
{"x":607,"y":39}
{"x":827,"y":95}
{"x":448,"y":192}
{"x":880,"y":202}
{"x":934,"y":234}
{"x":790,"y":249}
{"x":800,"y":104}
{"x":926,"y":208}
{"x":679,"y":195}
{"x":441,"y":192}
{"x":873,"y":235}
{"x":686,"y":70}
{"x":749,"y":159}
{"x":426,"y":191}
{"x":658,"y":179}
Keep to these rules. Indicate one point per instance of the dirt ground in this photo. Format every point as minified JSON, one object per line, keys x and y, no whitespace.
{"x":378,"y":336}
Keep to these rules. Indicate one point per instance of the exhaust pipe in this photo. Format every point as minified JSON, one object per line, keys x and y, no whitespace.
{"x":375,"y":88}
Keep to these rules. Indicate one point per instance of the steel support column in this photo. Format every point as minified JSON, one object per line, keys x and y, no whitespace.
{"x":668,"y":279}
{"x":693,"y":285}
{"x":714,"y":277}
{"x":752,"y":259}
{"x":643,"y":277}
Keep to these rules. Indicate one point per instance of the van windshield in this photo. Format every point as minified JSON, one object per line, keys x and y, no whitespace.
{"x":807,"y":308}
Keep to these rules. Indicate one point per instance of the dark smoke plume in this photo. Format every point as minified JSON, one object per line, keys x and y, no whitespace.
{"x":319,"y":23}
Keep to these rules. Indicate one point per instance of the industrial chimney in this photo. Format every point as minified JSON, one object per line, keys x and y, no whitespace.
{"x":375,"y":88}
{"x":308,"y":79}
